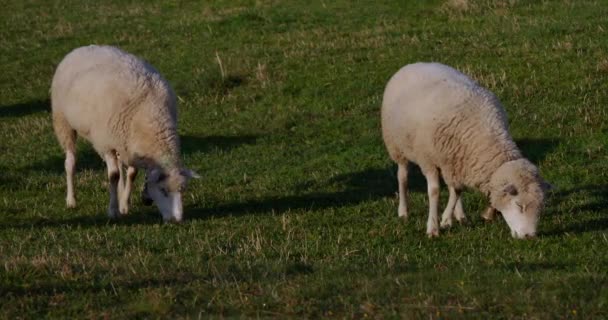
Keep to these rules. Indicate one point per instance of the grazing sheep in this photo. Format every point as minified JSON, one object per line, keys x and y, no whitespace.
{"x":127,"y":111}
{"x":446,"y":123}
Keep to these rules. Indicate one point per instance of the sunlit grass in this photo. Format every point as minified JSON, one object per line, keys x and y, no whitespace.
{"x":296,"y":213}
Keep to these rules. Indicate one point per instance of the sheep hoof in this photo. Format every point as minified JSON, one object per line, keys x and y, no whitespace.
{"x":446,"y":224}
{"x":463,"y":221}
{"x":402,"y":212}
{"x":70,"y":203}
{"x":113,"y":214}
{"x":433,"y":233}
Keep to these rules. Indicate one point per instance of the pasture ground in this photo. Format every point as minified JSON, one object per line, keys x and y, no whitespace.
{"x":296,"y":213}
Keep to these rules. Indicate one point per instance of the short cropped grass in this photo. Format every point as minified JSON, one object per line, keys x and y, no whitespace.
{"x":296,"y":214}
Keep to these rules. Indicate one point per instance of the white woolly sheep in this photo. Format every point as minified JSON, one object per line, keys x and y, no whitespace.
{"x":446,"y":123}
{"x":127,"y":111}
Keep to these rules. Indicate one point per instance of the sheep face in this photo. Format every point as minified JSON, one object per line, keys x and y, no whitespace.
{"x":165,"y":190}
{"x":521,"y":212}
{"x":518,"y":192}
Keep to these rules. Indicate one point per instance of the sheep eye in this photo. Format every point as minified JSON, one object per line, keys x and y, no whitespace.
{"x":519,"y":206}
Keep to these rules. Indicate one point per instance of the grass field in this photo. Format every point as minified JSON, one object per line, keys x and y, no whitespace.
{"x":296,"y":214}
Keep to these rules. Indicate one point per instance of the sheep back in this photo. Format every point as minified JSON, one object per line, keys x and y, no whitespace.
{"x":117,"y":102}
{"x":437,"y":117}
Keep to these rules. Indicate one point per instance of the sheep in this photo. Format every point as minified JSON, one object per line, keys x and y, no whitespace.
{"x":449,"y":125}
{"x":128,"y":112}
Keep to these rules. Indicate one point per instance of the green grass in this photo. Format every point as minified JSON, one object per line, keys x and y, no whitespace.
{"x":296,"y":213}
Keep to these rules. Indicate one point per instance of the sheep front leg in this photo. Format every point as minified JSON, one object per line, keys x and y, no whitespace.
{"x":70,"y":166}
{"x":125,"y":193}
{"x":448,"y":213}
{"x":114,"y":177}
{"x":432,"y":181}
{"x":459,"y":211}
{"x":402,"y":180}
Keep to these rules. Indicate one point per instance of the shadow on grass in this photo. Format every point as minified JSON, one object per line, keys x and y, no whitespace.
{"x":536,"y":150}
{"x":358,"y":187}
{"x":87,"y":158}
{"x":537,"y":266}
{"x":7,"y":179}
{"x":599,"y":202}
{"x":23,"y":109}
{"x":51,"y":289}
{"x":141,"y":217}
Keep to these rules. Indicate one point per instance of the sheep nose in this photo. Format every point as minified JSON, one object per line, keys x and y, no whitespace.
{"x":518,"y":235}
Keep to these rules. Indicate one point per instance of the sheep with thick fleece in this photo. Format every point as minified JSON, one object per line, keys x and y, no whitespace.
{"x":449,"y":125}
{"x":127,"y":111}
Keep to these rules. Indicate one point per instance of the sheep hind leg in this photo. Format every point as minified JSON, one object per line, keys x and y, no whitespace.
{"x":448,"y":213}
{"x":114,"y":177}
{"x":402,"y":180}
{"x":432,"y":180}
{"x":125,"y":193}
{"x":67,"y":139}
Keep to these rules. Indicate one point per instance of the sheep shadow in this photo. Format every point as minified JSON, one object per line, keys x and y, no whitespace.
{"x":25,"y":108}
{"x":599,"y":202}
{"x":358,"y":187}
{"x":147,"y":216}
{"x":536,"y":150}
{"x":88,"y":159}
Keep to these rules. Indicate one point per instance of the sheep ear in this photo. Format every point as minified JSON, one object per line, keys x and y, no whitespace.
{"x":510,"y":189}
{"x":189,"y":173}
{"x":546,"y":186}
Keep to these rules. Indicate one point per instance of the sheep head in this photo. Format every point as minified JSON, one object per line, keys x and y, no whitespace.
{"x":165,"y":187}
{"x":518,"y":192}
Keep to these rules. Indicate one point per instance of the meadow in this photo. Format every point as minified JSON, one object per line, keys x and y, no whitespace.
{"x":295,"y":215}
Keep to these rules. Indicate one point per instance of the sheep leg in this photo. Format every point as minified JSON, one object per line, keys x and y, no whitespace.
{"x":125,"y":193}
{"x":459,"y":211}
{"x":121,"y":181}
{"x":70,"y":166}
{"x":67,"y":139}
{"x":448,"y":213}
{"x":402,"y":178}
{"x":489,"y":214}
{"x":432,"y":181}
{"x":114,"y":177}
